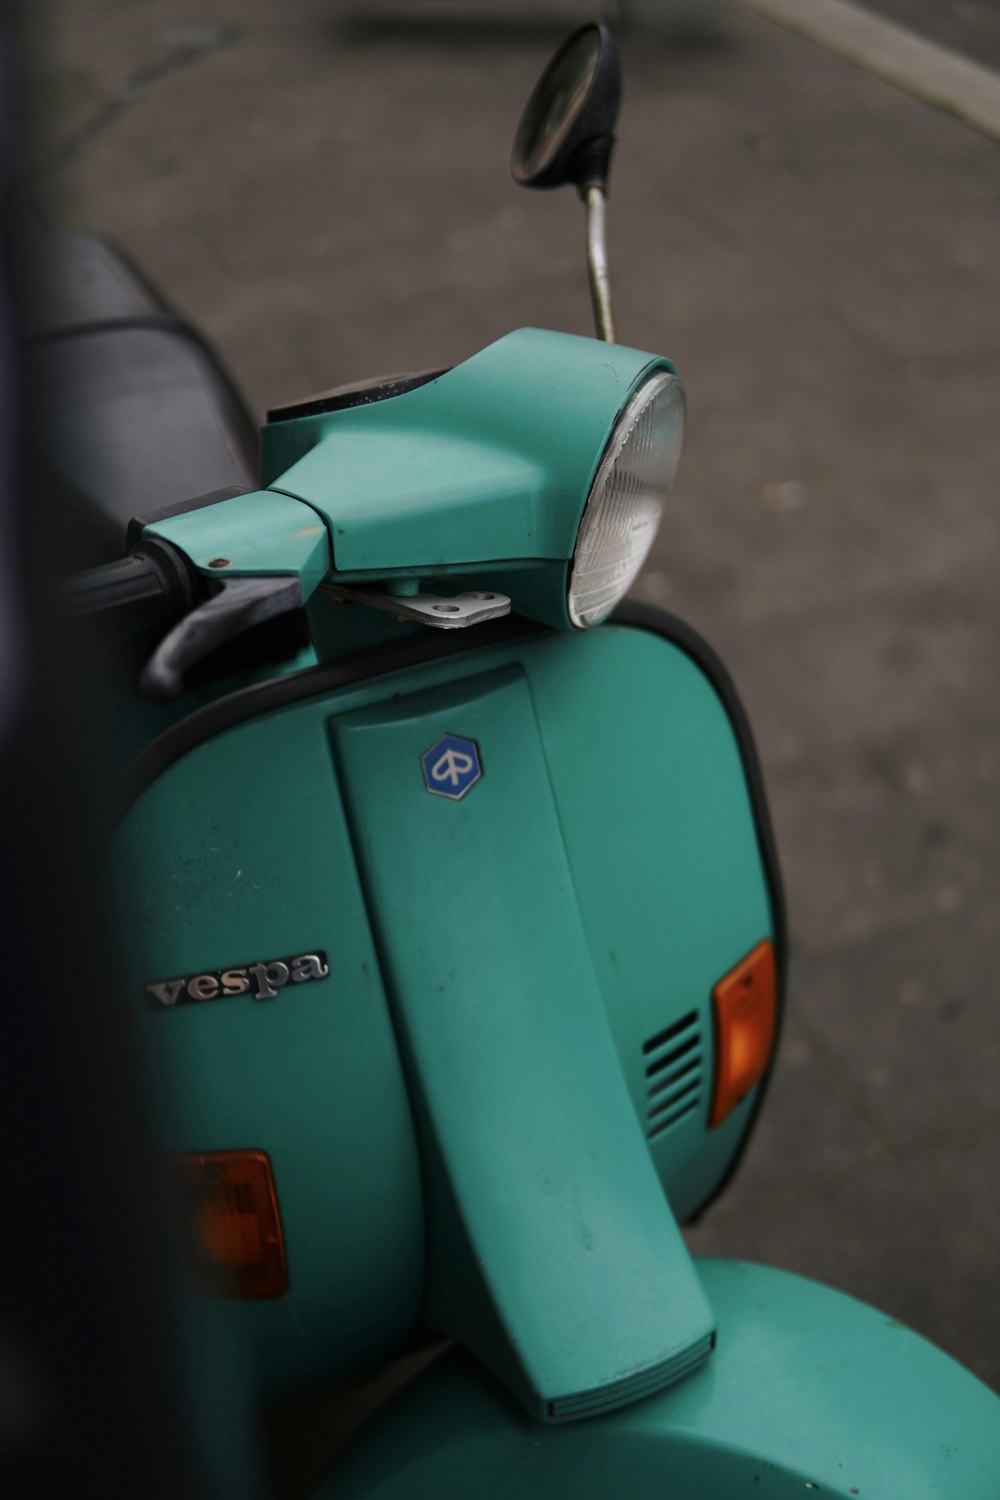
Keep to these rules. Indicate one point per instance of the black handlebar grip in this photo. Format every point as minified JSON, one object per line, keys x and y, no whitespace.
{"x":150,"y":588}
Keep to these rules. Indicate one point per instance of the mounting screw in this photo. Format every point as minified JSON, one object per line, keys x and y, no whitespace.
{"x":219,"y":562}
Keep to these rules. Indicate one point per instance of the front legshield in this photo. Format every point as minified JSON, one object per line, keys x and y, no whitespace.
{"x":553,"y":1252}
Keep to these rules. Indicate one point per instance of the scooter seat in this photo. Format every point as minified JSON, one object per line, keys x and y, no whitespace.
{"x":130,"y":408}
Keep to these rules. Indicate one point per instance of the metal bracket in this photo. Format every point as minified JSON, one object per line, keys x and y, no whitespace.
{"x":445,"y":611}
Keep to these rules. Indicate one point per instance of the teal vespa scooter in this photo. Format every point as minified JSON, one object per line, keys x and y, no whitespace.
{"x":461,"y":950}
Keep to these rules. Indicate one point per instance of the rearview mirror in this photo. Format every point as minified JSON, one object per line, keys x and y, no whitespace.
{"x":567,"y":129}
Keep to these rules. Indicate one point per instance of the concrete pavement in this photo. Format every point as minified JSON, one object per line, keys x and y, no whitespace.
{"x":323,"y":187}
{"x":971,"y":27}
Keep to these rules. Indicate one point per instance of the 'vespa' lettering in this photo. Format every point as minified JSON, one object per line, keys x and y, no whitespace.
{"x":261,"y":980}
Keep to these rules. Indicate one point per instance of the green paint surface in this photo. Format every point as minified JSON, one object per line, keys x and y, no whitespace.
{"x":261,"y":533}
{"x":809,"y":1393}
{"x":491,"y":461}
{"x":553,"y":1251}
{"x":478,"y":478}
{"x":239,"y":854}
{"x":609,"y":853}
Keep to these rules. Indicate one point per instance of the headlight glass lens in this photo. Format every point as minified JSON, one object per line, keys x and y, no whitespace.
{"x":626,"y":501}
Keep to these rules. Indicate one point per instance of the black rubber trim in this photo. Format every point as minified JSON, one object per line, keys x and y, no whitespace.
{"x":681,"y":635}
{"x":381,"y":388}
{"x":280,"y":692}
{"x":429,"y":645}
{"x":180,"y":508}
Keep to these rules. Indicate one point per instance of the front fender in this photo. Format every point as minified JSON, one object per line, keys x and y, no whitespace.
{"x":808,"y":1392}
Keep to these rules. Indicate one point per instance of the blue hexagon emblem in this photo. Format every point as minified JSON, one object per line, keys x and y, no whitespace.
{"x":451,"y":766}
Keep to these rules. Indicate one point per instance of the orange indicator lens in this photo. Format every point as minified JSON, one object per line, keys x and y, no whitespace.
{"x":745,"y":1004}
{"x":230,"y":1223}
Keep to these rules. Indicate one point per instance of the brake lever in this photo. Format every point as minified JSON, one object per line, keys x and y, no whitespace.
{"x":238,"y":604}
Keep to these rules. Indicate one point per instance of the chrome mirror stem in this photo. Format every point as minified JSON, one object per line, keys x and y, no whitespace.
{"x":597,"y":264}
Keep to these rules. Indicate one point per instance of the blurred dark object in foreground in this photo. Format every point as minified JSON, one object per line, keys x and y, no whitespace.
{"x":93,"y":1396}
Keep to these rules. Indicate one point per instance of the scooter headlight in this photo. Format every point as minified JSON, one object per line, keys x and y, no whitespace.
{"x":626,"y":500}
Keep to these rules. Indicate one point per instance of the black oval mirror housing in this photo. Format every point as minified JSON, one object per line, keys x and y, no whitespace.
{"x":567,"y":129}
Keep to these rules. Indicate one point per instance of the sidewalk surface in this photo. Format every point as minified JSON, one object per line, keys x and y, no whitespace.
{"x":969,"y":27}
{"x":323,"y":187}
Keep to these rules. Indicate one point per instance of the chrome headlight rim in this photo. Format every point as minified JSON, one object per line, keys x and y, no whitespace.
{"x":637,"y":531}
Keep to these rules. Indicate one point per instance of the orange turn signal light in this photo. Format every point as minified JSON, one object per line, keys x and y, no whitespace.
{"x":230,"y":1226}
{"x":745,"y":1003}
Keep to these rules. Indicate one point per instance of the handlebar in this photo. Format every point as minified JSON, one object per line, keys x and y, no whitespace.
{"x":150,"y":588}
{"x":154,"y":589}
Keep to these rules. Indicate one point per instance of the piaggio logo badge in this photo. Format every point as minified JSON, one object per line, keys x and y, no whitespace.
{"x":261,"y":981}
{"x":451,"y":766}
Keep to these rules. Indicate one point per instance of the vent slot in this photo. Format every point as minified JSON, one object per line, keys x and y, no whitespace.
{"x":671,"y":1057}
{"x":663,"y":1037}
{"x":674,"y":1069}
{"x":661,"y":1085}
{"x":660,"y":1127}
